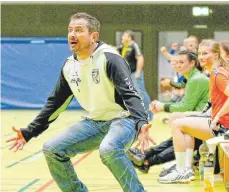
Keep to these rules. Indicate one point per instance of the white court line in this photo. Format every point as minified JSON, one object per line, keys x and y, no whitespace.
{"x":34,"y":158}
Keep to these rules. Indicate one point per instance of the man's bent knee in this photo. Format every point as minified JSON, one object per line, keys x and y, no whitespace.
{"x":109,"y":153}
{"x":49,"y":151}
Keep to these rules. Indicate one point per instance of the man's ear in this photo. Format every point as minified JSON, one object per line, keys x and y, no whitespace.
{"x":95,"y":36}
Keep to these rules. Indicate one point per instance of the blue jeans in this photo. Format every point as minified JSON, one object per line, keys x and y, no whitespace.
{"x":140,"y":85}
{"x":112,"y":138}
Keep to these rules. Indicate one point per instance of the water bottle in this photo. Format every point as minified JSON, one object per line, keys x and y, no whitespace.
{"x":203,"y":150}
{"x":209,"y":174}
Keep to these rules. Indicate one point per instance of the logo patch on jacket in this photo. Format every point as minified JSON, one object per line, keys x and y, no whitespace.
{"x":95,"y":76}
{"x":75,"y":79}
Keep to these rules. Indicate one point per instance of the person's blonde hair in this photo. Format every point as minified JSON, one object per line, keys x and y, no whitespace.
{"x":215,"y":48}
{"x":224,"y":63}
{"x":225,"y":46}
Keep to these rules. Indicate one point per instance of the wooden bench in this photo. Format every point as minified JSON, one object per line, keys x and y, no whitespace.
{"x":224,"y":163}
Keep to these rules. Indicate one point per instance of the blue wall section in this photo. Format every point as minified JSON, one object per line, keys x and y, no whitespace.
{"x":30,"y":68}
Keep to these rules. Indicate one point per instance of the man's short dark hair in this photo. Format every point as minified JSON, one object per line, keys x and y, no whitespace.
{"x":93,"y":24}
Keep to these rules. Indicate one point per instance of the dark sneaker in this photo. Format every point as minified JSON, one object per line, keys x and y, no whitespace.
{"x":135,"y":150}
{"x":142,"y":168}
{"x":165,"y":172}
{"x":136,"y":156}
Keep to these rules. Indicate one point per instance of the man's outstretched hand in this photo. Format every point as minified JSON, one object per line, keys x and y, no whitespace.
{"x":19,"y":140}
{"x":144,"y":138}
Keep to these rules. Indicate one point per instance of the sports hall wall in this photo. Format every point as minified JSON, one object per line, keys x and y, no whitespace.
{"x":51,"y":20}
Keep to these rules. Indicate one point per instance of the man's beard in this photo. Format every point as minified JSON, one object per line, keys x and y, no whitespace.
{"x":81,"y":49}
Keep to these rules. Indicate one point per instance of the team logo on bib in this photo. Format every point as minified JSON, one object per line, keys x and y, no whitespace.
{"x":95,"y":76}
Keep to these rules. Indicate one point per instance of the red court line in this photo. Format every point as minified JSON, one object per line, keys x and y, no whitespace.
{"x":52,"y":181}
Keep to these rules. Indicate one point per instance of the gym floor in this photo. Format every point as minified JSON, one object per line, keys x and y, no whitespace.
{"x":27,"y":170}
